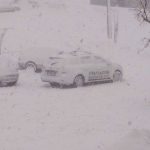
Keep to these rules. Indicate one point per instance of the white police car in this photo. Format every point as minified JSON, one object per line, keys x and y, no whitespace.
{"x":78,"y":68}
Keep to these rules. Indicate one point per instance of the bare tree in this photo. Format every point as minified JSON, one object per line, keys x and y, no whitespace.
{"x":143,"y":14}
{"x":116,"y":24}
{"x":143,"y":11}
{"x":109,"y":25}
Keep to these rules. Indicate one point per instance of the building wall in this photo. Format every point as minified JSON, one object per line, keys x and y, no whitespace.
{"x":122,"y":3}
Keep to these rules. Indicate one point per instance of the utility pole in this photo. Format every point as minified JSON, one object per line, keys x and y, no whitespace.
{"x":109,"y":24}
{"x":116,"y":24}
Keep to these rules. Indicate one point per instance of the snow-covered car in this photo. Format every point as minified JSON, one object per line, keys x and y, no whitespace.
{"x":78,"y":68}
{"x":33,"y":58}
{"x":8,"y":71}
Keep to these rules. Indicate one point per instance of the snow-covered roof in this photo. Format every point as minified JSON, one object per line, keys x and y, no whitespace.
{"x":75,"y":53}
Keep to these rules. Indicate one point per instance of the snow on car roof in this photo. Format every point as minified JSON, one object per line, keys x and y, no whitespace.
{"x":75,"y":53}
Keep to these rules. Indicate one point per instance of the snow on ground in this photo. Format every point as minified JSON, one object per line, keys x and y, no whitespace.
{"x":137,"y":139}
{"x":35,"y":116}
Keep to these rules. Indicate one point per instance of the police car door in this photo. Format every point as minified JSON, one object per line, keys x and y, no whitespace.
{"x":101,"y":68}
{"x":88,"y":68}
{"x":91,"y":69}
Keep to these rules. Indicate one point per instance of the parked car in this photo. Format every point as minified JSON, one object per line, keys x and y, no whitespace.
{"x":7,"y":9}
{"x":8,"y":71}
{"x":33,"y":58}
{"x":78,"y":68}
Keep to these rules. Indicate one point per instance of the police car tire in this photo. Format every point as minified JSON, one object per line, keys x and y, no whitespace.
{"x":55,"y":85}
{"x":52,"y":84}
{"x":12,"y":83}
{"x":31,"y":64}
{"x":117,"y":76}
{"x":79,"y":81}
{"x":3,"y":84}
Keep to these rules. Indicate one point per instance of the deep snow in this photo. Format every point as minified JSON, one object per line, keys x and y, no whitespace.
{"x":35,"y":116}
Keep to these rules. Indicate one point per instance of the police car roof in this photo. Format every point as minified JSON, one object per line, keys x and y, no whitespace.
{"x":75,"y":53}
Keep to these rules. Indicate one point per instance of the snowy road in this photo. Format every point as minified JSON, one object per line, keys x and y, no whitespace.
{"x":35,"y":116}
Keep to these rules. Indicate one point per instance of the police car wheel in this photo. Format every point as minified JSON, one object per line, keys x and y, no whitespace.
{"x":53,"y":84}
{"x":31,"y":67}
{"x":117,"y":76}
{"x":3,"y":84}
{"x":79,"y":81}
{"x":12,"y":83}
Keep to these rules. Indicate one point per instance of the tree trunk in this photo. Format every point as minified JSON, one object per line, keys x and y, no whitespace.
{"x":116,"y":26}
{"x":109,"y":25}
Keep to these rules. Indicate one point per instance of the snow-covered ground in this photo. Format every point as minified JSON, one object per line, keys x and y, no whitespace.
{"x":34,"y":116}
